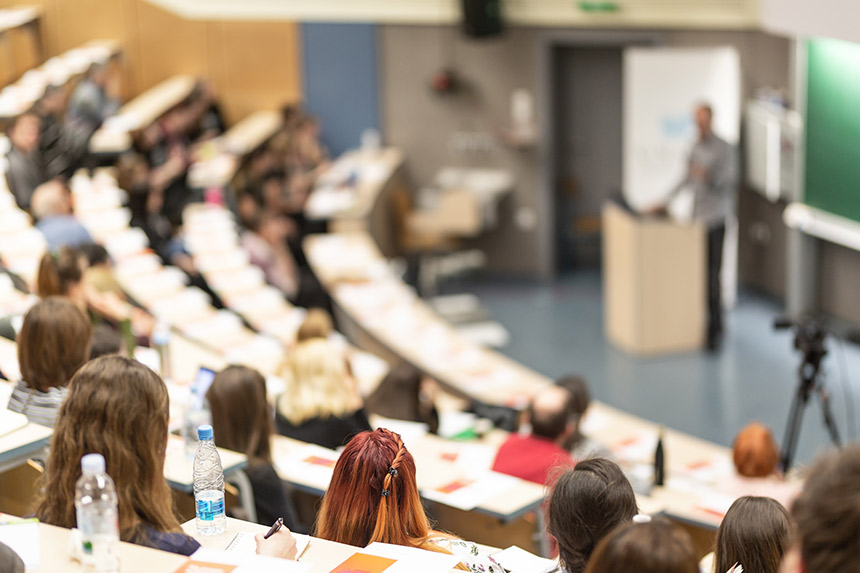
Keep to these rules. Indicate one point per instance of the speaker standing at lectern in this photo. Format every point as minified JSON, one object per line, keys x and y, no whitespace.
{"x":711,"y":179}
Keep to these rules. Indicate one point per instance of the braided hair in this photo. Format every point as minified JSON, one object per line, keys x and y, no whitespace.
{"x":373,"y":495}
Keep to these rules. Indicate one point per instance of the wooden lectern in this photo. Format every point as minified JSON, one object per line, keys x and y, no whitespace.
{"x":654,"y":283}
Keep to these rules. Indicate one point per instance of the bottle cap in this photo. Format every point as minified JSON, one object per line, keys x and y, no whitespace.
{"x":204,"y":432}
{"x":92,"y":464}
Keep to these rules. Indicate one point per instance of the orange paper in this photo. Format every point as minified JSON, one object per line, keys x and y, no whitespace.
{"x":455,"y":485}
{"x":318,"y":461}
{"x":361,"y":563}
{"x":203,"y":567}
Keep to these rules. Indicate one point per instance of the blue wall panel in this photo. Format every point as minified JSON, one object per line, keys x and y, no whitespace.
{"x":340,"y":81}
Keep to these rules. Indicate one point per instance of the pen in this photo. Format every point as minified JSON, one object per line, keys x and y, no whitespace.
{"x":274,"y":529}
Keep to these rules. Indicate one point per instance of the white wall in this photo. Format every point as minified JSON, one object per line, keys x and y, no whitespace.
{"x":830,"y":18}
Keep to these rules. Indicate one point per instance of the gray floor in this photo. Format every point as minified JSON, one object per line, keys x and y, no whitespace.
{"x":558,"y":329}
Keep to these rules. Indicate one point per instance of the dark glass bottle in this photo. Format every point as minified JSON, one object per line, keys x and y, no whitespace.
{"x":659,"y":461}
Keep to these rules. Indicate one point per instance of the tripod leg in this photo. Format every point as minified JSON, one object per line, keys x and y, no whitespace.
{"x":795,"y":418}
{"x":829,"y":422}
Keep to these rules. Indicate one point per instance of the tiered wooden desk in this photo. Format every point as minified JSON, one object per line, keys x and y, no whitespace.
{"x":115,"y":135}
{"x":20,"y":41}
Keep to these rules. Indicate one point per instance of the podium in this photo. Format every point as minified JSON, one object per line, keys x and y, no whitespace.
{"x":654,"y":283}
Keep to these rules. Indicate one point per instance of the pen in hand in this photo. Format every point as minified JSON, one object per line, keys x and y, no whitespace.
{"x":275,"y":528}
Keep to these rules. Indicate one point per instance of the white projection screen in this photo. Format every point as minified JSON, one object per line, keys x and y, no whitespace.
{"x":661,"y":89}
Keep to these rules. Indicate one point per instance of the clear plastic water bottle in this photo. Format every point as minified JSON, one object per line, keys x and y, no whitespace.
{"x":96,"y":505}
{"x":208,"y":485}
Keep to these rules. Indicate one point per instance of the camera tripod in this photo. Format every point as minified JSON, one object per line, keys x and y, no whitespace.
{"x":808,"y":373}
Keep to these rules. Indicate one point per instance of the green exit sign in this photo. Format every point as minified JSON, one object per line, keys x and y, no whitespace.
{"x":597,"y":6}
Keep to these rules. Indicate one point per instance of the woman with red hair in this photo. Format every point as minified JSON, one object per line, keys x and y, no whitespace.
{"x":373,"y":496}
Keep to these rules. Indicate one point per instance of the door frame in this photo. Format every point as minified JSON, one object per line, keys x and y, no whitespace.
{"x":550,"y":44}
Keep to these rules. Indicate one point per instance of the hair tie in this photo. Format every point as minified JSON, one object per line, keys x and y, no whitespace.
{"x":392,"y":471}
{"x":385,"y":493}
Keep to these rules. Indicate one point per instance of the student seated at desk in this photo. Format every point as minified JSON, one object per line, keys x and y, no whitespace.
{"x":26,"y":169}
{"x":321,"y":404}
{"x":51,"y":206}
{"x":827,"y":516}
{"x":756,"y":458}
{"x":578,"y":444}
{"x":242,"y":421}
{"x":373,"y":496}
{"x":405,"y":394}
{"x":531,"y":457}
{"x":755,"y":533}
{"x":585,"y":504}
{"x":116,"y":407}
{"x":656,"y":546}
{"x":53,"y":343}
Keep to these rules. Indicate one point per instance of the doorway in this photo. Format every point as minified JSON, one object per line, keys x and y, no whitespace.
{"x":587,"y":137}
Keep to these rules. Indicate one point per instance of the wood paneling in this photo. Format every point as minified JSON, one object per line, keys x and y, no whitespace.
{"x":253,"y":65}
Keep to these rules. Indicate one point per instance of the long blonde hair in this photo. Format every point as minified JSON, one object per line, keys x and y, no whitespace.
{"x":118,"y":408}
{"x":317,"y":383}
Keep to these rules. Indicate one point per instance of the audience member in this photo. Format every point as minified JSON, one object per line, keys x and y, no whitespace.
{"x":657,"y":546}
{"x":94,"y":99}
{"x":10,"y":562}
{"x":754,"y":534}
{"x":373,"y":497}
{"x":265,"y":242}
{"x":51,"y":206}
{"x":317,"y":324}
{"x":26,"y":170}
{"x":106,"y":341}
{"x":53,"y":343}
{"x":578,"y":444}
{"x":756,"y":459}
{"x":118,"y":408}
{"x":405,"y":394}
{"x":61,"y":273}
{"x":61,"y":146}
{"x":242,"y":421}
{"x":585,"y":504}
{"x":827,"y":517}
{"x":320,"y":404}
{"x":532,"y":457}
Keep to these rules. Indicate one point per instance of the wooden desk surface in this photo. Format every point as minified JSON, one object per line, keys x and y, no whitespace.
{"x":54,"y":544}
{"x":18,"y":16}
{"x":355,"y":274}
{"x":371,"y":171}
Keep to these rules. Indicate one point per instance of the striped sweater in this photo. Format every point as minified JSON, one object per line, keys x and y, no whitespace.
{"x":39,"y":407}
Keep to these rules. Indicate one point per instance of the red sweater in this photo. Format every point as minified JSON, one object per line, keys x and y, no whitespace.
{"x":530,"y":458}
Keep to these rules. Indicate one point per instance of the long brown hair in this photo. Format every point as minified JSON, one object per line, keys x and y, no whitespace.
{"x":241,"y":416}
{"x":373,"y":495}
{"x":118,"y":408}
{"x":53,"y":343}
{"x":656,"y":547}
{"x":58,"y":271}
{"x":754,"y":533}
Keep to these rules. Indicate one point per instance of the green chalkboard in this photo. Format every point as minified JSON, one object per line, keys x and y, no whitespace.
{"x":833,"y":127}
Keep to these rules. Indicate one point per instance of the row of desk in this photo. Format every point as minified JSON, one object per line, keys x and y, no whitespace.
{"x":384,"y":313}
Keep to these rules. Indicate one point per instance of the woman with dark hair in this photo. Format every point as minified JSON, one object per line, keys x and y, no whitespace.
{"x":755,"y":533}
{"x":373,"y":496}
{"x":242,"y":421}
{"x":403,"y":395}
{"x":585,"y":504}
{"x":119,"y":408}
{"x":656,"y":546}
{"x":53,"y":343}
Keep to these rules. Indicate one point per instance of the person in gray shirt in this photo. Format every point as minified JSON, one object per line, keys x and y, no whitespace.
{"x":712,"y":175}
{"x":26,"y":171}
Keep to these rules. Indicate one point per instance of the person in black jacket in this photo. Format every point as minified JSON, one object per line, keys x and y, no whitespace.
{"x":321,"y":404}
{"x":242,"y":422}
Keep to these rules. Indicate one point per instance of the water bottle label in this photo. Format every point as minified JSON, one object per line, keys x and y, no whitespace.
{"x":210,"y":507}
